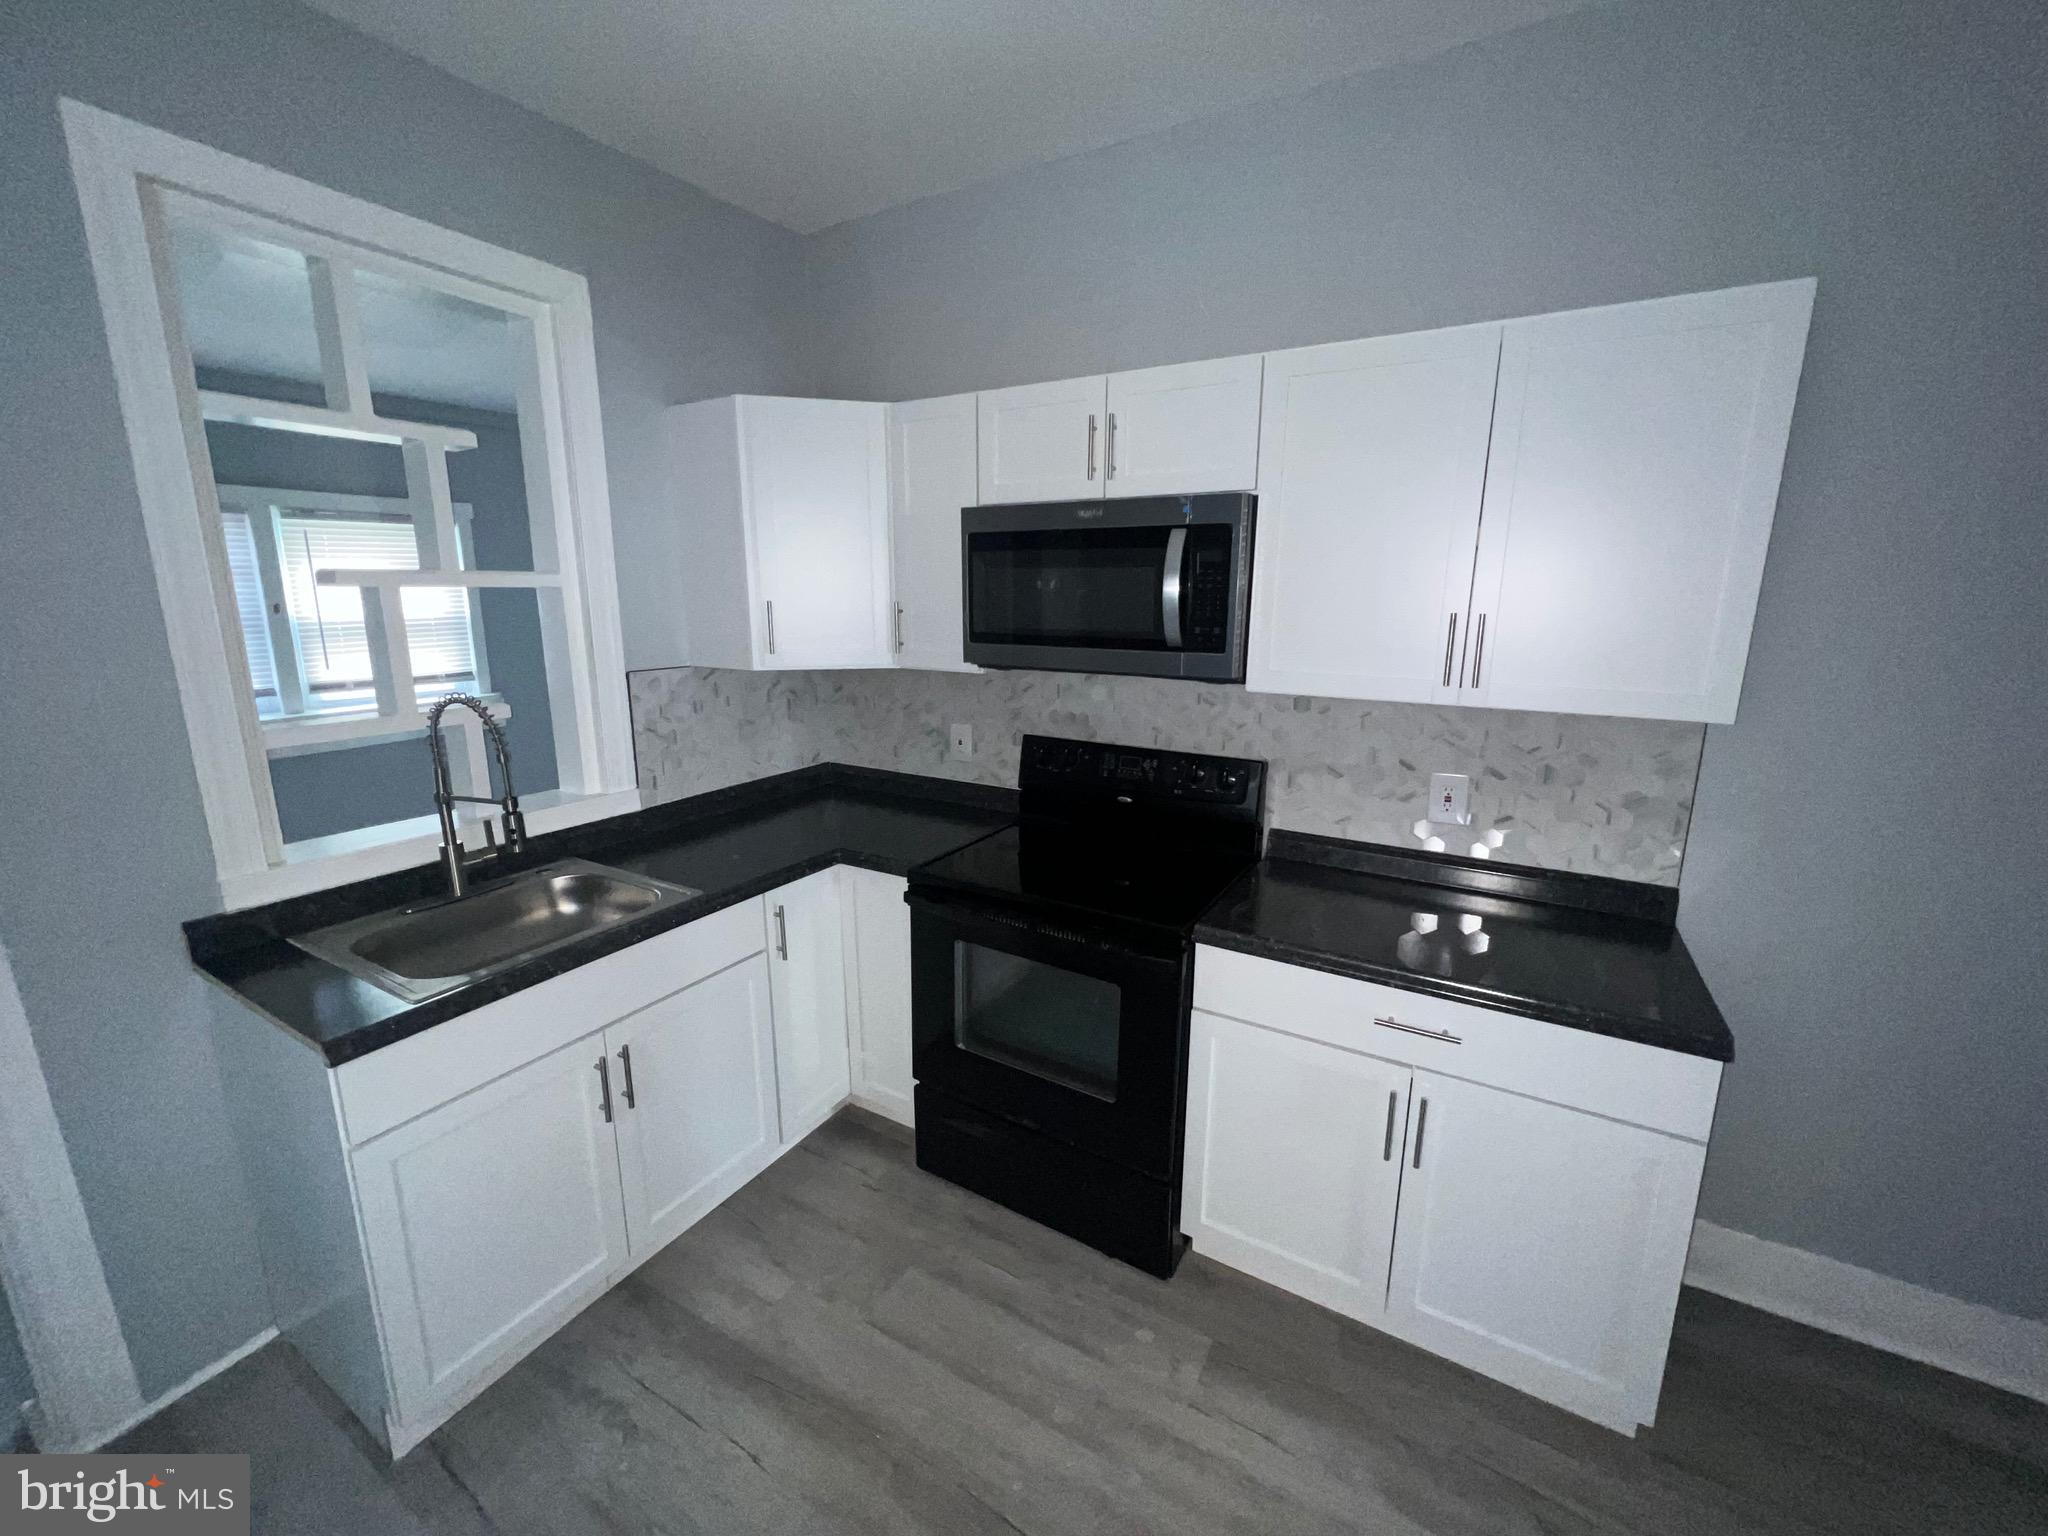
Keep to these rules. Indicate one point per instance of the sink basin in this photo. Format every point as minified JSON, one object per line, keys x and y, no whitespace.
{"x":421,"y":951}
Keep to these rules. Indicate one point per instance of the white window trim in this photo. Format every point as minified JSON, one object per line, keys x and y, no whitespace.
{"x":122,"y":168}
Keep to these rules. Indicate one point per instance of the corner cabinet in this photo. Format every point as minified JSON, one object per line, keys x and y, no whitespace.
{"x":1511,"y":1195}
{"x":1565,"y":513}
{"x":787,"y":506}
{"x":807,"y":981}
{"x":931,"y":478}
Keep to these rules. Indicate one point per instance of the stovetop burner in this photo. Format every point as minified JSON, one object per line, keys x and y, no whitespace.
{"x":1135,"y":833}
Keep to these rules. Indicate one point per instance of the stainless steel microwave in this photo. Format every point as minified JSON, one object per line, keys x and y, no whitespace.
{"x":1155,"y":586}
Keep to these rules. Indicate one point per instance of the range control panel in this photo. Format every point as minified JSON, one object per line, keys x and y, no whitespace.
{"x":1089,"y":771}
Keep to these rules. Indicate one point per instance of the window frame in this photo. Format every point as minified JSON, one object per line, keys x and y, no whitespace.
{"x":312,"y":730}
{"x":127,"y":174}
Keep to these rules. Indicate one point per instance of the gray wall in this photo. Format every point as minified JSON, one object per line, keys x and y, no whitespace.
{"x":1876,"y":944}
{"x":335,"y":791}
{"x":102,"y":818}
{"x":16,"y":1385}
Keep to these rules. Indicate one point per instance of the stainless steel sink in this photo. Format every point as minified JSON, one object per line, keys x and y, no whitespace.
{"x":420,"y":951}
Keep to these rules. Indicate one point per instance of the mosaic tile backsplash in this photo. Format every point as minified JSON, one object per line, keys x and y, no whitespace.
{"x":1583,"y":793}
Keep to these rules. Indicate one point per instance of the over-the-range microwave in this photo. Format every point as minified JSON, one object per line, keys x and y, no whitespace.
{"x":1156,"y":586}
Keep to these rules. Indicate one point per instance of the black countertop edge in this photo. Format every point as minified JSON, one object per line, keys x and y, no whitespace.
{"x":1636,"y":1030}
{"x":222,"y":933}
{"x":1516,"y":882}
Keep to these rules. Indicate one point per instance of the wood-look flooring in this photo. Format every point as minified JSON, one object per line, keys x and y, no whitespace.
{"x":850,"y":1345}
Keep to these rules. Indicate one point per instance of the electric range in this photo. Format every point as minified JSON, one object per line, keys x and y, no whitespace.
{"x":1051,"y":973}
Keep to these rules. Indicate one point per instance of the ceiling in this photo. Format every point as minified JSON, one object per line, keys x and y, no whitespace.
{"x":812,"y":112}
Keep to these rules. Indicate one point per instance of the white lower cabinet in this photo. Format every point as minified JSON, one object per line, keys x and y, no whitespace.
{"x":1542,"y":1246}
{"x":807,"y":980}
{"x":693,"y":1081}
{"x":878,"y":992}
{"x":1512,"y":1195}
{"x":489,"y":1222}
{"x":1310,"y":1210}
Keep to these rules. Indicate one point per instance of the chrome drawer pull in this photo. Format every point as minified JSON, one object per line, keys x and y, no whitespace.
{"x":1415,"y":1029}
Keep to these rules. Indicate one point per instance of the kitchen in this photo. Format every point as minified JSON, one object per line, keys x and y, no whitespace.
{"x":1272,"y":660}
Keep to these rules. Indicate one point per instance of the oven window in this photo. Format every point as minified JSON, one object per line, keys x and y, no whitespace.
{"x":1098,"y":587}
{"x":1052,"y":1023}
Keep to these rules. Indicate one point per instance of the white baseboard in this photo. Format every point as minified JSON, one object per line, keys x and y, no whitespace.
{"x":1860,"y":1304}
{"x":197,"y":1379}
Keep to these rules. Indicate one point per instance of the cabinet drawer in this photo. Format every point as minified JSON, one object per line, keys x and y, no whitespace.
{"x":1664,"y":1090}
{"x":393,"y":1085}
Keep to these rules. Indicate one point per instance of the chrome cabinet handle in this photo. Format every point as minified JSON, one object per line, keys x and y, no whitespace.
{"x":626,"y":1065}
{"x":1109,"y":452}
{"x":1416,"y":1029}
{"x":1421,"y":1125}
{"x":1387,"y":1151}
{"x":1479,"y":650}
{"x":899,"y":626}
{"x":604,"y":1079}
{"x":1450,"y":646}
{"x":770,"y":606}
{"x":1091,"y":445}
{"x":781,"y":936}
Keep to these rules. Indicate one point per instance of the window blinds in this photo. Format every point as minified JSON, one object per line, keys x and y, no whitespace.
{"x":250,"y":605}
{"x":328,"y":621}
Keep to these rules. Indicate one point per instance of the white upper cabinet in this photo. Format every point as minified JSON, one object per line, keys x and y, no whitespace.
{"x":1043,"y":442}
{"x":1147,"y":432}
{"x":1636,"y":457}
{"x":787,"y":505}
{"x":931,"y":477}
{"x":1187,"y":427}
{"x":1372,"y":470}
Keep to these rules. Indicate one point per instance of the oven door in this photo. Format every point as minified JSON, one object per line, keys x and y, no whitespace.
{"x":1077,"y":1036}
{"x":1155,"y":585}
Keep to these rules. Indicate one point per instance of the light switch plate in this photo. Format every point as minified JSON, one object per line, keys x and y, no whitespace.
{"x":1450,"y":799}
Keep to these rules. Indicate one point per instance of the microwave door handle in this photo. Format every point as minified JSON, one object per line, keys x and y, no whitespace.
{"x":1169,"y":588}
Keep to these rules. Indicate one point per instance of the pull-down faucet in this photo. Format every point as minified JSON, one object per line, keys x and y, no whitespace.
{"x":453,"y":858}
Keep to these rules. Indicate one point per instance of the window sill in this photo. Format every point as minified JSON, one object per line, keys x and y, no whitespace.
{"x":296,"y":735}
{"x":320,"y":863}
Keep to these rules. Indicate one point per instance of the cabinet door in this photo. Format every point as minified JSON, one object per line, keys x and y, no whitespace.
{"x":1042,"y":442}
{"x":1543,"y":1246}
{"x":878,"y":992}
{"x":1293,"y":1161}
{"x":693,"y":1082}
{"x":489,"y":1221}
{"x":817,"y":506}
{"x":1372,"y":466}
{"x":1628,"y":506}
{"x":807,"y":981}
{"x":1188,"y":427}
{"x":931,"y":477}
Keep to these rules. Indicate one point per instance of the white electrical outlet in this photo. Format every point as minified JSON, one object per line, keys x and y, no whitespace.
{"x":1450,"y":799}
{"x":963,"y":742}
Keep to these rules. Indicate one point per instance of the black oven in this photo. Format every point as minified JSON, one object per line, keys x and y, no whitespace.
{"x":1051,"y":969}
{"x":1062,"y":1027}
{"x":1157,"y":586}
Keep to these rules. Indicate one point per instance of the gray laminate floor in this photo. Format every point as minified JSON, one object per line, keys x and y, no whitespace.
{"x":850,"y":1345}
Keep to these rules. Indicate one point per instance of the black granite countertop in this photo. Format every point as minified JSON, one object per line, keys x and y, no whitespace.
{"x":1581,"y":951}
{"x":730,"y":844}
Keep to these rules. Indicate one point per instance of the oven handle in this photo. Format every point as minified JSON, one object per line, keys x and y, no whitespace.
{"x":1169,"y":587}
{"x":971,"y":915}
